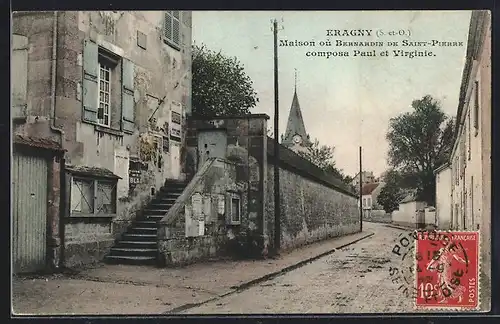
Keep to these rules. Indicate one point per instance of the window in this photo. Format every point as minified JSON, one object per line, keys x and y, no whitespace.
{"x":235,"y":209}
{"x":104,"y":99}
{"x":172,"y":28}
{"x":93,"y":197}
{"x":107,"y":89}
{"x":476,"y":107}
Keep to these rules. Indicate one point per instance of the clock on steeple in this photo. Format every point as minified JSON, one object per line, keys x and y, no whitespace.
{"x":297,"y":139}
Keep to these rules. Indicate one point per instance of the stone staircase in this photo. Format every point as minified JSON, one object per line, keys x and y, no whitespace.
{"x":138,"y":244}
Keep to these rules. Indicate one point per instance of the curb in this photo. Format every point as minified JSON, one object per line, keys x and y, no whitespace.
{"x":269,"y":276}
{"x":400,"y":227}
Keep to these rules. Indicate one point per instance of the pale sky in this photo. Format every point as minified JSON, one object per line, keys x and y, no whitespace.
{"x":346,"y":101}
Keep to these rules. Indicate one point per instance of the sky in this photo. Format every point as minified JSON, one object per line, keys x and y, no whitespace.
{"x":347,"y":101}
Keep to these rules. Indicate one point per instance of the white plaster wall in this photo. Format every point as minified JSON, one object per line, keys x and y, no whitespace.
{"x":443,"y":198}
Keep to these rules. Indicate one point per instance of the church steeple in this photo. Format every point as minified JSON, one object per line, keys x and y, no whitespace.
{"x":295,"y":128}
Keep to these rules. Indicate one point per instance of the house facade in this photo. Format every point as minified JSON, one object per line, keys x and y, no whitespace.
{"x":470,"y":160}
{"x":364,"y":177}
{"x":411,"y":212}
{"x":111,"y":89}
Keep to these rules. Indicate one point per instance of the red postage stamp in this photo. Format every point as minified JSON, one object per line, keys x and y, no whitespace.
{"x":447,"y":270}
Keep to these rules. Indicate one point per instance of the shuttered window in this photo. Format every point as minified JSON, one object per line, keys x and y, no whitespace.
{"x":128,"y":103}
{"x":172,"y":28}
{"x":19,"y":75}
{"x":90,"y":77}
{"x":92,"y":197}
{"x":107,"y":99}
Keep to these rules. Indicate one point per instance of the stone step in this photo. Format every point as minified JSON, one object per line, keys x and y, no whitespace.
{"x":160,"y":205}
{"x":133,"y":260}
{"x":171,"y":191}
{"x":144,"y":223}
{"x":136,"y":244}
{"x":163,"y":201}
{"x":143,"y":230}
{"x":155,"y":218}
{"x":149,"y":211}
{"x":140,"y":237}
{"x":123,"y":251}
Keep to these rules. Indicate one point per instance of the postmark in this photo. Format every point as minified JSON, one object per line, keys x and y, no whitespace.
{"x":402,"y":271}
{"x":447,"y":270}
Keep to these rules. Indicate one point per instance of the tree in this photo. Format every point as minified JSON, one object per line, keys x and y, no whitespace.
{"x":220,"y":85}
{"x":389,"y":197}
{"x":419,"y":142}
{"x":323,"y":157}
{"x":320,"y":155}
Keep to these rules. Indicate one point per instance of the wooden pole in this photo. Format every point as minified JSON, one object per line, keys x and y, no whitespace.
{"x":360,"y":191}
{"x":277,"y":209}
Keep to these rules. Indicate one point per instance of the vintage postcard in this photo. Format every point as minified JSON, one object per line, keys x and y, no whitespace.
{"x":244,"y":162}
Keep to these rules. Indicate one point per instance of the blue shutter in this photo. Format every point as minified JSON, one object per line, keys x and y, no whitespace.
{"x":128,"y":111}
{"x":90,"y":71}
{"x":176,"y":31}
{"x":168,"y":25}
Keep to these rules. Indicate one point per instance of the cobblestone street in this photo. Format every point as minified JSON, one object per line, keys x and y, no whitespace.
{"x":352,"y":280}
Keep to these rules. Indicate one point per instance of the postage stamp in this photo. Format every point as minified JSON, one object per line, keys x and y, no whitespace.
{"x":447,"y":270}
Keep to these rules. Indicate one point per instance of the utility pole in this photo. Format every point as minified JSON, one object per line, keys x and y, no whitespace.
{"x":360,"y":191}
{"x":277,"y":206}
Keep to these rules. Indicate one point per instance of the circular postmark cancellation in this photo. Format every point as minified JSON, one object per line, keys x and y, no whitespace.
{"x":438,"y":269}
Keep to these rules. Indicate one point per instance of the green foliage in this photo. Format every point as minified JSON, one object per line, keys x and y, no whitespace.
{"x":389,"y":197}
{"x":419,"y":142}
{"x":323,"y":157}
{"x":220,"y":85}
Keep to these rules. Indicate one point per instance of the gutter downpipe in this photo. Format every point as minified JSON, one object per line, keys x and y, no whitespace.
{"x":62,"y":196}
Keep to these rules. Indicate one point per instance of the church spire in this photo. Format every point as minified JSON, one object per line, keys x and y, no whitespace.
{"x":295,"y":124}
{"x":295,"y":81}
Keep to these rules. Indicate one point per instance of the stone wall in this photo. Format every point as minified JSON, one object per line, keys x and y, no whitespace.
{"x":314,"y":204}
{"x":377,"y":216}
{"x":199,"y":225}
{"x":246,"y":145}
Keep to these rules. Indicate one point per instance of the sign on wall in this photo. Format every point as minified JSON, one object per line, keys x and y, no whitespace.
{"x":175,"y":122}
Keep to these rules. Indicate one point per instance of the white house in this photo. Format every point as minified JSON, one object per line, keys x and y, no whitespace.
{"x":470,"y":159}
{"x":410,"y":212}
{"x":443,"y":196}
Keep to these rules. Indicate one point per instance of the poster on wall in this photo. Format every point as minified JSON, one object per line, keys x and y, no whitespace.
{"x":176,"y":122}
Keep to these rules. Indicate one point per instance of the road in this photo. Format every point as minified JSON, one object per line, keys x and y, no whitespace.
{"x":355,"y":279}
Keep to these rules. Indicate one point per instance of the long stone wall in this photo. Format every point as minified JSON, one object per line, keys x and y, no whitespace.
{"x":314,"y":204}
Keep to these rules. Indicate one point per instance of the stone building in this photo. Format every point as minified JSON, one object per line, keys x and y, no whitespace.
{"x":111,"y":89}
{"x":468,"y":193}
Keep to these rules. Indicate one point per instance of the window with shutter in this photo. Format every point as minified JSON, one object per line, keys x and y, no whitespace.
{"x":128,"y":103}
{"x":19,"y":75}
{"x":90,"y":79}
{"x":172,"y":28}
{"x":101,"y":85}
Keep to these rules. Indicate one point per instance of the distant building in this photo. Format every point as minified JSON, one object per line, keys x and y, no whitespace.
{"x":411,"y":211}
{"x":366,"y":177}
